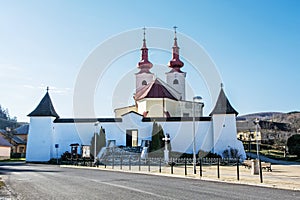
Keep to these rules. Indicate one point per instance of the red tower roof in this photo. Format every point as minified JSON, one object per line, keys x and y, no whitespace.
{"x":175,"y":63}
{"x":144,"y":65}
{"x":155,"y":89}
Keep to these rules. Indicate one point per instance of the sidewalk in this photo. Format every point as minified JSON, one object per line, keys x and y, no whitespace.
{"x":282,"y":176}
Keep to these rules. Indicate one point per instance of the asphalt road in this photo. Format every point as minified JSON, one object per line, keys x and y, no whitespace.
{"x":29,"y":181}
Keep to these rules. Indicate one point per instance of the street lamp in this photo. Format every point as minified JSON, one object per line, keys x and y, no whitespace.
{"x":257,"y":124}
{"x":196,"y":98}
{"x":95,"y":142}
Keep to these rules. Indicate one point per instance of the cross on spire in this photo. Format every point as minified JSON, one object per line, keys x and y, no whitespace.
{"x":175,"y":27}
{"x":144,"y":64}
{"x":144,"y":29}
{"x":175,"y":63}
{"x":47,"y":88}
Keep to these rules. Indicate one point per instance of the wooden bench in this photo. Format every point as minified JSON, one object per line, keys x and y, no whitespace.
{"x":247,"y":164}
{"x":264,"y":165}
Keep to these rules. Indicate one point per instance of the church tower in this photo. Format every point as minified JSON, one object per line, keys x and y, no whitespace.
{"x":224,"y":125}
{"x":144,"y":76}
{"x":176,"y":78}
{"x":40,"y":136}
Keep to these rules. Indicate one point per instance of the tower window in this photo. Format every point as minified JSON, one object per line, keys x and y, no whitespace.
{"x":144,"y":82}
{"x":175,"y":82}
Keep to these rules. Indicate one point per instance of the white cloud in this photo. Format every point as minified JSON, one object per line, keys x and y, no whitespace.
{"x":52,"y":89}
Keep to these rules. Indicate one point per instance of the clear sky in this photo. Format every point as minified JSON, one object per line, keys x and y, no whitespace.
{"x":255,"y":45}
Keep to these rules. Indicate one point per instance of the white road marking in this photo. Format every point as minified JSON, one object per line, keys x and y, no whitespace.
{"x":133,"y":189}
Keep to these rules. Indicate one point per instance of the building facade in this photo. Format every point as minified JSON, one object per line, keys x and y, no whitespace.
{"x":155,"y":101}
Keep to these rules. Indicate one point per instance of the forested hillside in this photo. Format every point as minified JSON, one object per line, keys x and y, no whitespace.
{"x":275,"y":120}
{"x":6,"y":120}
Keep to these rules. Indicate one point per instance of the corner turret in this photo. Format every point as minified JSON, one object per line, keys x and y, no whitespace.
{"x":224,"y":126}
{"x":41,"y":131}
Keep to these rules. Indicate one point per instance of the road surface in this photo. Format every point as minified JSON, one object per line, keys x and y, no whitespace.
{"x":30,"y":181}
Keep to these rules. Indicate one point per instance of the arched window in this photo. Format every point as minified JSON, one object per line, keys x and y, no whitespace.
{"x":144,"y":82}
{"x":175,"y":81}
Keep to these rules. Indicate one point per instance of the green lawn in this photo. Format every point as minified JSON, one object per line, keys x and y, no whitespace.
{"x":1,"y":184}
{"x":279,"y":155}
{"x":13,"y":160}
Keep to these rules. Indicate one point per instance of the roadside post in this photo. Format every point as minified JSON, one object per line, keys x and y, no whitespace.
{"x":56,"y":148}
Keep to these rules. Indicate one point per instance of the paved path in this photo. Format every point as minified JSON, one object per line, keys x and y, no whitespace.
{"x":270,"y":160}
{"x":27,"y":181}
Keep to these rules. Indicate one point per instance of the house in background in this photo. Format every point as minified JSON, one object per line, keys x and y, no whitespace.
{"x":22,"y":133}
{"x":18,"y":139}
{"x":5,"y":148}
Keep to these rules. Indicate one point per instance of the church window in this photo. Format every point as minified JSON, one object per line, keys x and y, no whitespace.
{"x":175,"y":82}
{"x":144,"y":82}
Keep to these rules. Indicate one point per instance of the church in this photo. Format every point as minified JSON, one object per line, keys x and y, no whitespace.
{"x":163,"y":102}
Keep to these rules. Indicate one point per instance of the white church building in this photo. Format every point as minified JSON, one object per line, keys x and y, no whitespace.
{"x":155,"y":100}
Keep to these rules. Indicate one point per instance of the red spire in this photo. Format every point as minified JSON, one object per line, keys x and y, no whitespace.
{"x":175,"y":63}
{"x":144,"y":64}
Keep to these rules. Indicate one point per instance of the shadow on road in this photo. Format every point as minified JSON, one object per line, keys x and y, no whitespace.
{"x":8,"y":167}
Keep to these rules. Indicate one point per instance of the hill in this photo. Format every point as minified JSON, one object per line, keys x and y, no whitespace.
{"x":260,"y":115}
{"x":275,"y":120}
{"x":8,"y":123}
{"x":6,"y":120}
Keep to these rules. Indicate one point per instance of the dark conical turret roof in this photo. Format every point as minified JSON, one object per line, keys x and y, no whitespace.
{"x":45,"y":108}
{"x":223,"y":105}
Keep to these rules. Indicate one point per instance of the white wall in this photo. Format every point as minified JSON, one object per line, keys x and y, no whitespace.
{"x":142,"y":106}
{"x":156,"y":106}
{"x":40,"y":139}
{"x":121,"y":111}
{"x":171,"y":76}
{"x":66,"y":134}
{"x":218,"y":134}
{"x":131,"y":121}
{"x":148,"y":77}
{"x":225,"y":134}
{"x":5,"y":152}
{"x":181,"y":134}
{"x":187,"y":107}
{"x":82,"y":133}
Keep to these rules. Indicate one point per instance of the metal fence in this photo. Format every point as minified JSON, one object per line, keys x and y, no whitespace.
{"x":182,"y":165}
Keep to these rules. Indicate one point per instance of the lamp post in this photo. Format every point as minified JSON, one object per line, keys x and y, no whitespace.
{"x":257,"y":124}
{"x":198,"y":98}
{"x":95,"y":141}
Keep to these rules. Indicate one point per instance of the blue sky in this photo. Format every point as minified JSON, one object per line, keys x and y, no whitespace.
{"x":255,"y":45}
